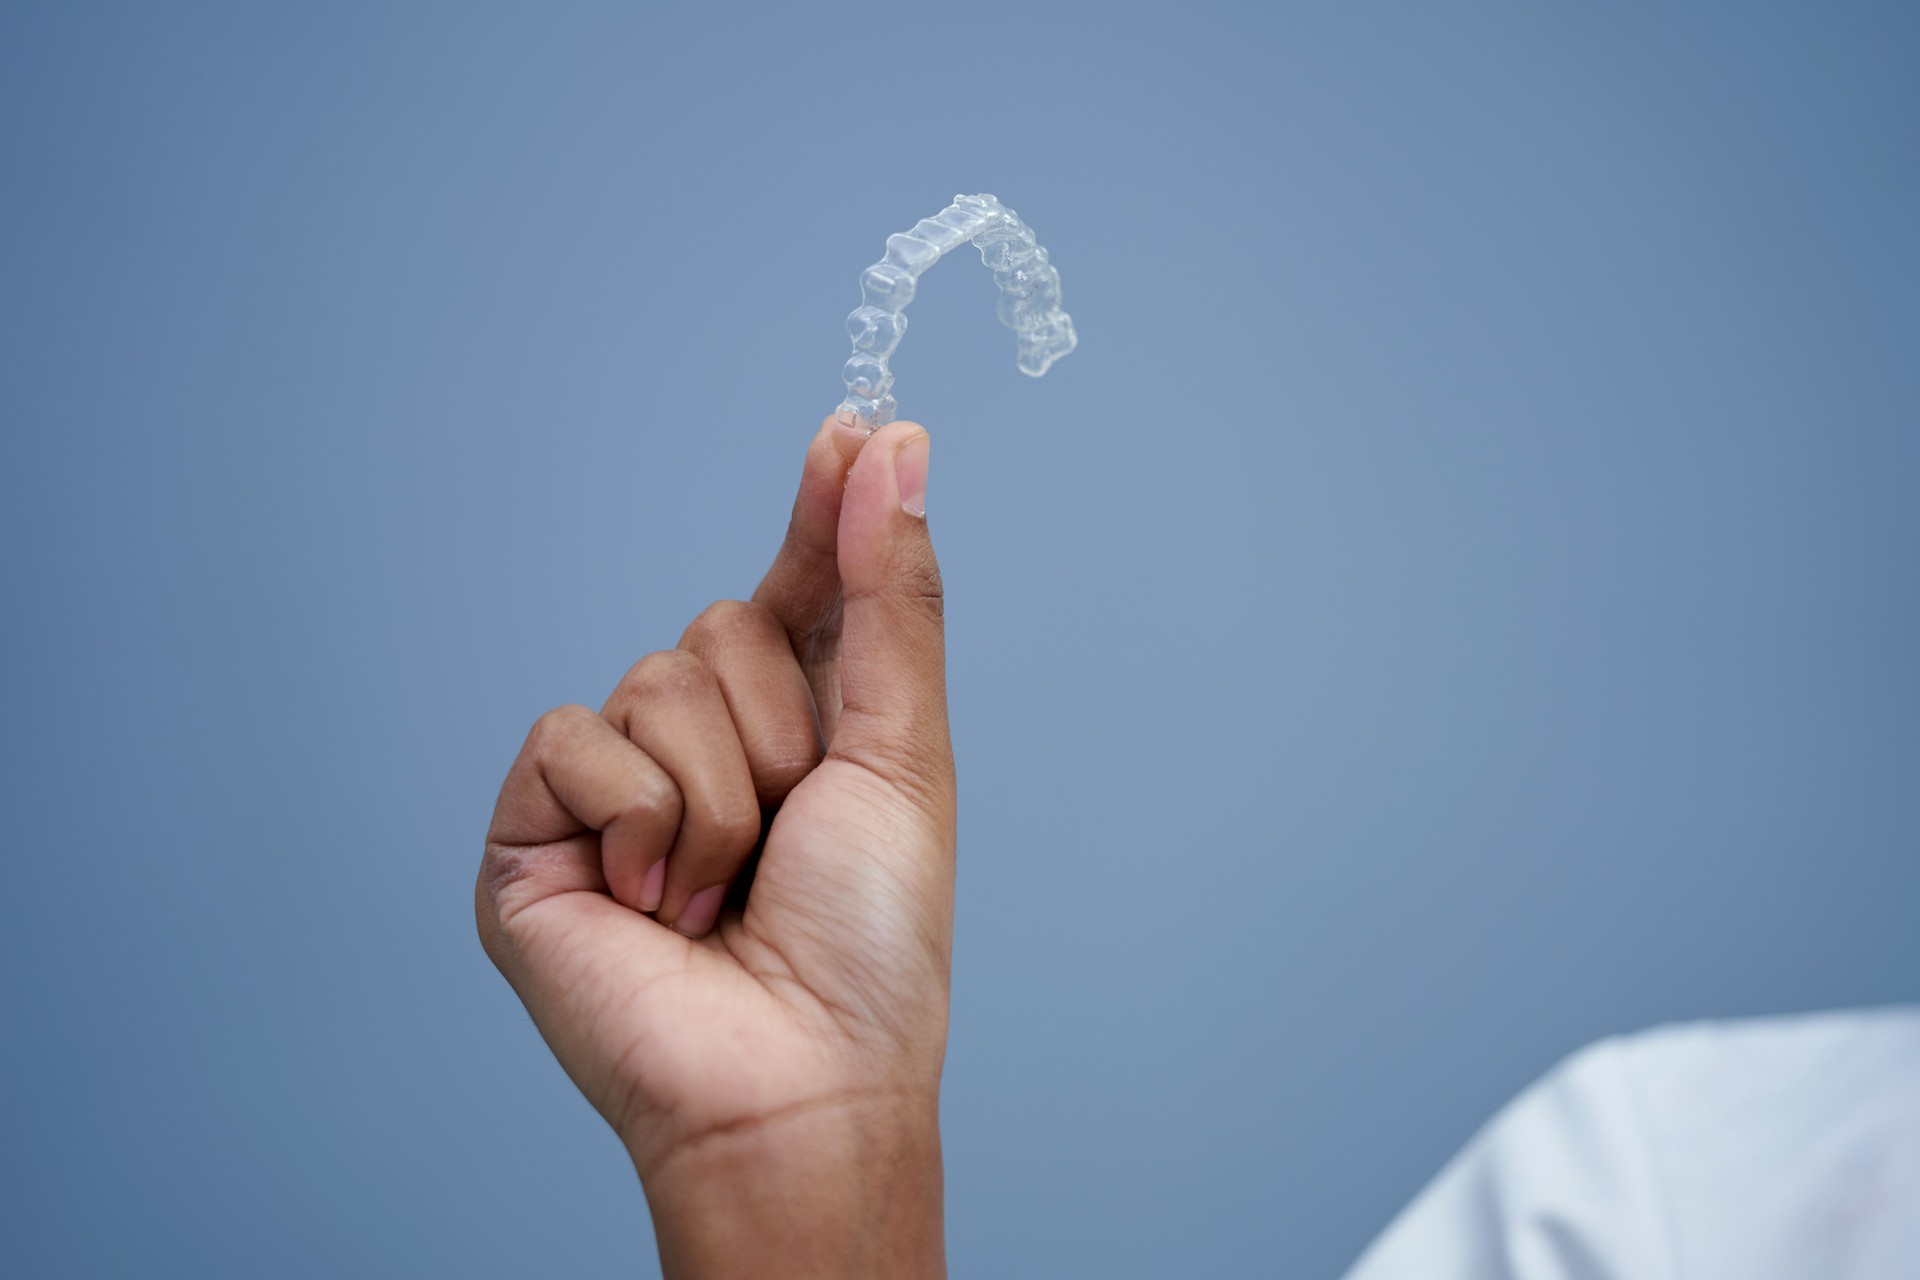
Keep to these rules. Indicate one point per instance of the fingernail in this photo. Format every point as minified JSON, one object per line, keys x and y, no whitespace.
{"x":652,"y":887}
{"x":910,"y":468}
{"x":702,"y":909}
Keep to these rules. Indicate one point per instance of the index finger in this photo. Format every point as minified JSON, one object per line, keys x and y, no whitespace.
{"x":802,"y":589}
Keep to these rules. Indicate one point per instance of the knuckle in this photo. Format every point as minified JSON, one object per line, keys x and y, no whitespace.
{"x":510,"y":879}
{"x":668,"y":673}
{"x":734,"y":826}
{"x":501,"y":867}
{"x":916,"y":580}
{"x":656,"y":803}
{"x":552,"y":730}
{"x":729,"y":620}
{"x":785,"y":768}
{"x":487,"y":924}
{"x":494,"y":876}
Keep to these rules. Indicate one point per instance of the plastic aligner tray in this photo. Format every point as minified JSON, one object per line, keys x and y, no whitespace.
{"x":1029,"y":298}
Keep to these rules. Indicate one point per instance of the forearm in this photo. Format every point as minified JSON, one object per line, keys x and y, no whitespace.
{"x":847,"y":1191}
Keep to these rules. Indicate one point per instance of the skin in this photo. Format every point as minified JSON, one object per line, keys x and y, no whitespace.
{"x":773,"y":1070}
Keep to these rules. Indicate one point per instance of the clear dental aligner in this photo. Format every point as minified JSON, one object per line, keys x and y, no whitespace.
{"x":1029,"y":298}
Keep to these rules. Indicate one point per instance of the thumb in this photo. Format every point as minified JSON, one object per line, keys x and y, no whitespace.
{"x":893,"y":680}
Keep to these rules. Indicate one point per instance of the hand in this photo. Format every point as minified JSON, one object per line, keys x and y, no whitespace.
{"x":765,"y":1038}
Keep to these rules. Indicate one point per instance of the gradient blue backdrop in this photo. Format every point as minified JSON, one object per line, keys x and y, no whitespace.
{"x":1459,"y":601}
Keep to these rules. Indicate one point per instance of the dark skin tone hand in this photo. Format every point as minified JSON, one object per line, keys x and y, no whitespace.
{"x":764,"y":1033}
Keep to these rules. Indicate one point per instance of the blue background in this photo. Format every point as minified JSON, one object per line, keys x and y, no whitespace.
{"x":1459,"y":601}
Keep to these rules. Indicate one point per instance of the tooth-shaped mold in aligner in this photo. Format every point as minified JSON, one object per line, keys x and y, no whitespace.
{"x":1029,"y":298}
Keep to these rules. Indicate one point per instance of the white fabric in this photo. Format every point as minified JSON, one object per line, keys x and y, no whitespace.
{"x":1773,"y":1149}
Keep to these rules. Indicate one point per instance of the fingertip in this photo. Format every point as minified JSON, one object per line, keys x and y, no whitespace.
{"x":910,"y":462}
{"x":830,"y":456}
{"x":697,"y":918}
{"x":837,"y":443}
{"x":889,"y":479}
{"x":652,"y":887}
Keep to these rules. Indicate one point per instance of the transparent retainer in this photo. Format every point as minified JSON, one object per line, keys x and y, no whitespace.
{"x":1029,"y":299}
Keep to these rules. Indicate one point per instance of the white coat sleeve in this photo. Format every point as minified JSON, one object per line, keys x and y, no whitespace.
{"x":1766,"y":1149}
{"x":1560,"y":1185}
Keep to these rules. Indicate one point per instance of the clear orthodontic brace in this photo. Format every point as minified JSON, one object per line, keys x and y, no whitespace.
{"x":1029,"y":298}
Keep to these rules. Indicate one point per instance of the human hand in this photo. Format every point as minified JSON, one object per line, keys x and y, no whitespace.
{"x":772,"y":1067}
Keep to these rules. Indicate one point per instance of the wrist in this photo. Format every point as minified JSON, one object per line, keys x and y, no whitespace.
{"x":841,"y":1188}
